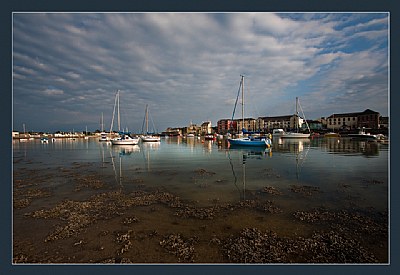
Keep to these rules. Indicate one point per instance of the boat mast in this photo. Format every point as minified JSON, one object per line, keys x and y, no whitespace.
{"x":102,"y":122}
{"x":147,"y":119}
{"x":119,"y":117}
{"x":115,"y":104}
{"x":242,"y":101}
{"x":297,"y":116}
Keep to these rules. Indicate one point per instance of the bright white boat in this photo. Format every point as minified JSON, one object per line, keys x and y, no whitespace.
{"x":297,"y":134}
{"x":103,"y":135}
{"x":148,"y":137}
{"x":125,"y":139}
{"x":363,"y":136}
{"x":277,"y":133}
{"x":247,"y":141}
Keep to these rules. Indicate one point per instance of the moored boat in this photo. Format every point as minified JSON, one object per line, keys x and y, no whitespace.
{"x":277,"y":133}
{"x":332,"y":135}
{"x":125,"y":139}
{"x":103,"y":137}
{"x":249,"y":140}
{"x":297,"y":134}
{"x":361,"y":135}
{"x":148,"y":137}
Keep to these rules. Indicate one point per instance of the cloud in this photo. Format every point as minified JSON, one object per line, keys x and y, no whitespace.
{"x":187,"y":66}
{"x":52,"y":92}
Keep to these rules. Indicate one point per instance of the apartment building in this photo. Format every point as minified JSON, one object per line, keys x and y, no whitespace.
{"x":349,"y":121}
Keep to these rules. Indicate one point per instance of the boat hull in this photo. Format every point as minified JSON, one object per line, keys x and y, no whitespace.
{"x":295,"y":135}
{"x":125,"y":141}
{"x":249,"y":142}
{"x":332,"y":135}
{"x":150,"y":139}
{"x":363,"y":136}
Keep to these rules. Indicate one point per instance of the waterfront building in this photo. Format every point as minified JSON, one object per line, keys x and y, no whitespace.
{"x":226,"y":125}
{"x":249,"y":124}
{"x":172,"y":132}
{"x":384,"y":122}
{"x":287,"y":122}
{"x":206,"y":128}
{"x":315,"y":125}
{"x":351,"y":121}
{"x":191,"y":129}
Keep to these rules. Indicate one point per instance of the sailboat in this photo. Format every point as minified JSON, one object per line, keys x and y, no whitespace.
{"x":123,"y":138}
{"x":249,"y":140}
{"x":148,"y":137}
{"x":296,"y":134}
{"x":103,"y":135}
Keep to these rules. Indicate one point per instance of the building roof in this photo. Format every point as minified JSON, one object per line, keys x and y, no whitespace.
{"x":276,"y":117}
{"x":366,"y":112}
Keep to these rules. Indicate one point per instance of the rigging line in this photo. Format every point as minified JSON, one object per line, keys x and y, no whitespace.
{"x":152,"y":121}
{"x":308,"y":127}
{"x":144,"y":119}
{"x":237,"y":98}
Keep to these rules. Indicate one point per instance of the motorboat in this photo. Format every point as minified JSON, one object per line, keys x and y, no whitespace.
{"x":361,"y":135}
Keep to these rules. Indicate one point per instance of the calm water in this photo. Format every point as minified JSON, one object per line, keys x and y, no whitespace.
{"x":341,"y":172}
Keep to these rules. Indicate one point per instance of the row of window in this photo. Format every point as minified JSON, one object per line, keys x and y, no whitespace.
{"x":344,"y":119}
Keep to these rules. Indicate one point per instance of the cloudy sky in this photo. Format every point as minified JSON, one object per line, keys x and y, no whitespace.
{"x":67,"y":67}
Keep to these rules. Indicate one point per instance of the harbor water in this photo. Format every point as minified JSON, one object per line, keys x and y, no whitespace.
{"x":294,"y":189}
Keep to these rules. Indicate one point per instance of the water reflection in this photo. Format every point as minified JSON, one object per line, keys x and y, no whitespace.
{"x":246,"y":153}
{"x":119,"y":153}
{"x":149,"y":147}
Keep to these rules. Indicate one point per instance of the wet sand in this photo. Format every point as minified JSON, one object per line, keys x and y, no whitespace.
{"x":93,"y":222}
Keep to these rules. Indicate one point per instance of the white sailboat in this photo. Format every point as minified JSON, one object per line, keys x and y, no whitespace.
{"x":296,"y":134}
{"x":123,"y":138}
{"x":249,"y":140}
{"x":148,"y":137}
{"x":103,"y":135}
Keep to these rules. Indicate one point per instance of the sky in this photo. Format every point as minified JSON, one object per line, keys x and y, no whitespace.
{"x":67,"y":67}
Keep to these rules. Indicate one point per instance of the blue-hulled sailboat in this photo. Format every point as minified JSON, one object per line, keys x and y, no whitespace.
{"x":250,"y":140}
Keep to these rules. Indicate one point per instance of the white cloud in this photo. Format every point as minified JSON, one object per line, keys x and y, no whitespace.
{"x":52,"y":92}
{"x":186,"y":61}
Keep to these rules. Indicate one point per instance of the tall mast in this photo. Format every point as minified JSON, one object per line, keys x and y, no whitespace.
{"x":242,"y":101}
{"x":297,"y":115}
{"x":112,"y":120}
{"x":147,"y":119}
{"x":102,"y":122}
{"x":119,"y":117}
